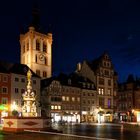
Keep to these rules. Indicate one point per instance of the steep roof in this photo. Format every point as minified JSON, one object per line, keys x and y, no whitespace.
{"x":16,"y":68}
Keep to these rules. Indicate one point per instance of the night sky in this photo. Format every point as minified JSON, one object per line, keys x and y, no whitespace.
{"x":82,"y":30}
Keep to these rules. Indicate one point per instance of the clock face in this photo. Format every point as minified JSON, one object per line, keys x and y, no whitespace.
{"x":41,"y":57}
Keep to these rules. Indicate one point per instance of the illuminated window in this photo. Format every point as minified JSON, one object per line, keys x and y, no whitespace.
{"x":73,"y":99}
{"x":101,"y":91}
{"x":52,"y":107}
{"x":4,"y":100}
{"x":37,"y":45}
{"x":63,"y":98}
{"x":55,"y":107}
{"x":67,"y":98}
{"x":59,"y":107}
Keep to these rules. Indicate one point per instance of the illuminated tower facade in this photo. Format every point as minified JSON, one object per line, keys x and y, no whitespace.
{"x":36,"y":48}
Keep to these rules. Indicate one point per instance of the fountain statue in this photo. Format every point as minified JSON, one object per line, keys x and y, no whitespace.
{"x":29,"y":108}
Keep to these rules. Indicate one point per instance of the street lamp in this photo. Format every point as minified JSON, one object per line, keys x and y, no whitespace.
{"x":13,"y":106}
{"x":14,"y":109}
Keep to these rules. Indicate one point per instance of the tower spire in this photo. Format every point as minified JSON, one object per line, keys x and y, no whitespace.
{"x":35,"y":17}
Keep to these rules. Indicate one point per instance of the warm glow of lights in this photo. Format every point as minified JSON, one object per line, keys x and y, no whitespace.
{"x":133,"y":110}
{"x":13,"y":106}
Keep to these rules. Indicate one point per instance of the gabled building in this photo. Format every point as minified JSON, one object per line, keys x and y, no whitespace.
{"x":102,"y":73}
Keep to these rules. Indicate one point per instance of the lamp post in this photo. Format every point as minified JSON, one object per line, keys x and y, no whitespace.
{"x":14,"y":109}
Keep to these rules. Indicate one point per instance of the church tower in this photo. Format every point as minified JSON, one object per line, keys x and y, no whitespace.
{"x":36,"y":48}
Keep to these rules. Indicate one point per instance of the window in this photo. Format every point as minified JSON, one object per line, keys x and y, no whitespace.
{"x":63,"y":98}
{"x":109,"y":103}
{"x":34,"y":82}
{"x":101,"y":81}
{"x":44,"y":47}
{"x":44,"y":74}
{"x":52,"y":107}
{"x":101,"y":102}
{"x":109,"y":82}
{"x":59,"y":107}
{"x":5,"y":78}
{"x":37,"y":45}
{"x":23,"y":80}
{"x":106,"y":72}
{"x":16,"y":90}
{"x":4,"y":90}
{"x":84,"y":101}
{"x":67,"y":98}
{"x":101,"y":91}
{"x":4,"y":100}
{"x":73,"y":99}
{"x":38,"y":72}
{"x":16,"y":79}
{"x":109,"y":91}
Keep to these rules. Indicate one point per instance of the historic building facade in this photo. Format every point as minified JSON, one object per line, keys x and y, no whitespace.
{"x":102,"y":73}
{"x":128,"y":101}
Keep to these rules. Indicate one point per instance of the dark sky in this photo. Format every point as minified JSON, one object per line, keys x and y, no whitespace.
{"x":82,"y":29}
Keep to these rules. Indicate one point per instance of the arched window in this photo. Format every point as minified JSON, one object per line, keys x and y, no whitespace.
{"x":44,"y":47}
{"x":37,"y":45}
